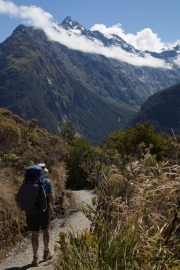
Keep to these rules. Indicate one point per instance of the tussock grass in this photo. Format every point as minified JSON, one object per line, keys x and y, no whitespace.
{"x":135,"y":222}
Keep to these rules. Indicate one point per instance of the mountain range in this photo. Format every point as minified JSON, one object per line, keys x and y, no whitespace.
{"x":44,"y":79}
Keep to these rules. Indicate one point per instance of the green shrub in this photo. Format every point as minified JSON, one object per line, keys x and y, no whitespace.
{"x":134,"y":141}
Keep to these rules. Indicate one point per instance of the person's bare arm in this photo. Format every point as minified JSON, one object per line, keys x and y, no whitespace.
{"x":51,"y":197}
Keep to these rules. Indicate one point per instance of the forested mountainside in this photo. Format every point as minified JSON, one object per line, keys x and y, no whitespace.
{"x":162,"y":110}
{"x":46,"y":80}
{"x":38,"y":80}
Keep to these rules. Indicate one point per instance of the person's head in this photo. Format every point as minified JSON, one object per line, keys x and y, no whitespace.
{"x":43,"y":166}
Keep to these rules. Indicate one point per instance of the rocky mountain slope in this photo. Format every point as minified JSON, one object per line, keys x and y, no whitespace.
{"x":43,"y":79}
{"x":162,"y":110}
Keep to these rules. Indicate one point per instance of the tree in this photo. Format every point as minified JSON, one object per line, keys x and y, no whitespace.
{"x":68,"y":131}
{"x":130,"y":141}
{"x":80,"y":149}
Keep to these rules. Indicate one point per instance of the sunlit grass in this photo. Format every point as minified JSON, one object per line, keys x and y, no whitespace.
{"x":135,"y":224}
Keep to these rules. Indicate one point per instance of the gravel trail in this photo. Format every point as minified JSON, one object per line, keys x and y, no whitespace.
{"x":21,"y":256}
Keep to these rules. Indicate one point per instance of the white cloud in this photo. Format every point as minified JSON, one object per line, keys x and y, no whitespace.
{"x":32,"y":15}
{"x":143,"y":40}
{"x":85,"y":45}
{"x":38,"y":18}
{"x":115,"y":29}
{"x":177,"y":60}
{"x":146,"y":40}
{"x":7,"y":7}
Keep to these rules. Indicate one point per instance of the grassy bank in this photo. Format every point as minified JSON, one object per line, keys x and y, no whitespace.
{"x":135,"y":219}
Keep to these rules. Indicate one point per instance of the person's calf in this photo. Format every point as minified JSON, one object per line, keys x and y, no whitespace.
{"x":46,"y":237}
{"x":35,"y":240}
{"x":35,"y":251}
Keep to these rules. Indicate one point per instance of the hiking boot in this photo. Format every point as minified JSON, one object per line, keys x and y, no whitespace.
{"x":47,"y":255}
{"x":35,"y":261}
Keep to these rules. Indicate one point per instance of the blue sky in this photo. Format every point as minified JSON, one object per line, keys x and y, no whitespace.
{"x":161,"y":16}
{"x":146,"y":24}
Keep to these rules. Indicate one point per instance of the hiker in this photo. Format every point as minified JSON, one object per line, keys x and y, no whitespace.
{"x":38,"y":210}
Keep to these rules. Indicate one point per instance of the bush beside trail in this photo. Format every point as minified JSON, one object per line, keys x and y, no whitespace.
{"x":135,"y":224}
{"x":135,"y":219}
{"x":22,"y":144}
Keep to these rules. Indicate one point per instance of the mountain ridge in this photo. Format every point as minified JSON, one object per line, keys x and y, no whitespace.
{"x":162,"y":109}
{"x":44,"y":79}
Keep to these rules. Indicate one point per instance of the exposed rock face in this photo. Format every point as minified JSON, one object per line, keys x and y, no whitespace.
{"x":45,"y":80}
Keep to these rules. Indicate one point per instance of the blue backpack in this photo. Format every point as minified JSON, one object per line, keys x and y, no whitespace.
{"x":32,"y":194}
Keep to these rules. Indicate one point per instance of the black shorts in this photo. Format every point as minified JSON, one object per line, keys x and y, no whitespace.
{"x":38,"y":221}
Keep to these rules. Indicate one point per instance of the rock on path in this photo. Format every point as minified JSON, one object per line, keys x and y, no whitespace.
{"x":21,"y":256}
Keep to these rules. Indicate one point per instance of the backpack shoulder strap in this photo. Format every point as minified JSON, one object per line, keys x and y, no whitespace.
{"x":46,"y":185}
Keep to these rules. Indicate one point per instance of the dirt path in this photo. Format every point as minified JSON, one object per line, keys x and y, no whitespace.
{"x":21,"y":256}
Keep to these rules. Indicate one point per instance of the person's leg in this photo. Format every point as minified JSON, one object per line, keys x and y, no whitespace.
{"x":45,"y":221}
{"x":35,"y":245}
{"x":46,"y":237}
{"x":47,"y":253}
{"x":35,"y":242}
{"x":33,"y":225}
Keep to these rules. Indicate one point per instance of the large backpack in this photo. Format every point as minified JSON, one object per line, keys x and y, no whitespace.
{"x":31,"y":195}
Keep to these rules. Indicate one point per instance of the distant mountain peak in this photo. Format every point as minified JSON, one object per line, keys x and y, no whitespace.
{"x":108,"y":40}
{"x":68,"y":20}
{"x":177,"y":48}
{"x":70,"y":23}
